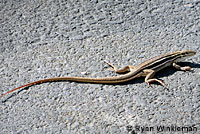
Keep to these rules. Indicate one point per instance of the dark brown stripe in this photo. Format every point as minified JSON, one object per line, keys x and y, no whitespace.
{"x":162,"y":61}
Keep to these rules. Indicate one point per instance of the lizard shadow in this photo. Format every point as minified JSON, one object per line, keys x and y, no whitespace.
{"x":171,"y":70}
{"x":162,"y":73}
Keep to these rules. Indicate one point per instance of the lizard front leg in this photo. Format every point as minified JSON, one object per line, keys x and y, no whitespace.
{"x":186,"y":68}
{"x":125,"y":69}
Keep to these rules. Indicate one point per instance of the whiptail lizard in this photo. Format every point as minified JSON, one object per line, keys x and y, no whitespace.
{"x":147,"y":69}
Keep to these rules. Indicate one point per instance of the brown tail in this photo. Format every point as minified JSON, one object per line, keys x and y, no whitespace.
{"x":107,"y":80}
{"x":26,"y":85}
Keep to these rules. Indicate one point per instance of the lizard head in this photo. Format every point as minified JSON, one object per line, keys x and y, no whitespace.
{"x":183,"y":54}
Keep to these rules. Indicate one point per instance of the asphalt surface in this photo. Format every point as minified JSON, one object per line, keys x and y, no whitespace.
{"x":42,"y":39}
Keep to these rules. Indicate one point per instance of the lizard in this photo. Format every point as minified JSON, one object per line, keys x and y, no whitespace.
{"x":147,"y":68}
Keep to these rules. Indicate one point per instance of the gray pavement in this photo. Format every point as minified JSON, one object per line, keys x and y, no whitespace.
{"x":42,"y":39}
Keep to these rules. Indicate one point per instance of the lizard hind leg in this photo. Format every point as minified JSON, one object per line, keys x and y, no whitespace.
{"x":122,"y":70}
{"x":149,"y":77}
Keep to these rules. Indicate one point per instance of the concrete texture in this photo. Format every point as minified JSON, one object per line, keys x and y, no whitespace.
{"x":42,"y":39}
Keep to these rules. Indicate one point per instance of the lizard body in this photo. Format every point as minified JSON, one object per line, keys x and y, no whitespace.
{"x":147,"y":69}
